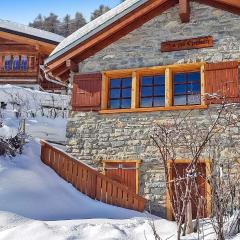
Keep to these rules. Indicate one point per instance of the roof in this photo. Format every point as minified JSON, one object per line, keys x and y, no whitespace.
{"x":95,"y":26}
{"x":30,"y":32}
{"x":116,"y":23}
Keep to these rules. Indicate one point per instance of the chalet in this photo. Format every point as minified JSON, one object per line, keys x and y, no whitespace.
{"x":22,"y":51}
{"x":131,"y":67}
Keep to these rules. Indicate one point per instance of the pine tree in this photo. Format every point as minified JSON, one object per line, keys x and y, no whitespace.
{"x":100,"y":11}
{"x":65,"y":29}
{"x":37,"y":22}
{"x":51,"y":23}
{"x":78,"y":22}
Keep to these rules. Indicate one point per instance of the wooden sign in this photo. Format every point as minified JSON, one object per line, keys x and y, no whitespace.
{"x":193,"y":43}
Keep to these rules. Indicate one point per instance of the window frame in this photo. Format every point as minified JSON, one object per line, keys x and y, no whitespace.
{"x":136,"y":75}
{"x":121,"y":88}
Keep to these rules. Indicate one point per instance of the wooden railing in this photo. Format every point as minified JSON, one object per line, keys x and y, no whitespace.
{"x":89,"y":181}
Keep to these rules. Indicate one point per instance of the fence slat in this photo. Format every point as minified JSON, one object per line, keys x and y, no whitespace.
{"x":89,"y":181}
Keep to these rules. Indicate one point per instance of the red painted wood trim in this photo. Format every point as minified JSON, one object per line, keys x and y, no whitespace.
{"x":184,"y":10}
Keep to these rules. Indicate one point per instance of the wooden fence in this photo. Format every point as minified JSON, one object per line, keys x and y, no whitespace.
{"x":89,"y":181}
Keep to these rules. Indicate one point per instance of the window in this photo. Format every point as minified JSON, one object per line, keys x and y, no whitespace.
{"x":16,"y":63}
{"x":7,"y":63}
{"x":186,"y":88}
{"x":152,"y":91}
{"x":24,"y":63}
{"x":159,"y":88}
{"x":120,"y":93}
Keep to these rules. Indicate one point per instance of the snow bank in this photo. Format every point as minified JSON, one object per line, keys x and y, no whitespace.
{"x":31,"y":189}
{"x":15,"y":228}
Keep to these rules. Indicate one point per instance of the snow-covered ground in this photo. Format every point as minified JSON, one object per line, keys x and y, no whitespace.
{"x":36,"y":204}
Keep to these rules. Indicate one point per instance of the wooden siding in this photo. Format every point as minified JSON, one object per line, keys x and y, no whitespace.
{"x":87,"y":92}
{"x":89,"y":181}
{"x":222,"y":79}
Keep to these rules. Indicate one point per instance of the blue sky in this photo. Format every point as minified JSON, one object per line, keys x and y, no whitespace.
{"x":24,"y":11}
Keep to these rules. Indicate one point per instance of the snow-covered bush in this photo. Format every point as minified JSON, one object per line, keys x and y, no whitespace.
{"x":13,"y":145}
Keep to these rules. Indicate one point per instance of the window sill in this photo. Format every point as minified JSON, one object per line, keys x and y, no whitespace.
{"x":153,"y":109}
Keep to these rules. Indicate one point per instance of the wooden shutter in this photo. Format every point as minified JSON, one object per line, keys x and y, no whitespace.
{"x":222,"y":79}
{"x":86,"y":94}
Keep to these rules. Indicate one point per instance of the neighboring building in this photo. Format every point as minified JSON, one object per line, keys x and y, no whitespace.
{"x":129,"y":71}
{"x":22,"y":51}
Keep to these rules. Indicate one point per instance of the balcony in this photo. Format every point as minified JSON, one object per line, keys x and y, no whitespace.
{"x":18,"y":66}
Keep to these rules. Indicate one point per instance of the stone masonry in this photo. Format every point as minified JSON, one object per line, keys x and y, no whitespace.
{"x":93,"y":137}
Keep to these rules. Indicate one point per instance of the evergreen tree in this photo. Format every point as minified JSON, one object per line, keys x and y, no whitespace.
{"x":37,"y":22}
{"x":100,"y":11}
{"x":65,"y":29}
{"x":78,"y":22}
{"x":52,"y":23}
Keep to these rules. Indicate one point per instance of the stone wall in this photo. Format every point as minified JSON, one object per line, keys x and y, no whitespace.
{"x":93,"y":137}
{"x":141,"y":47}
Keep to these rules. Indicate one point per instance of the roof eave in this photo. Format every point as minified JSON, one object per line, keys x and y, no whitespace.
{"x":93,"y":32}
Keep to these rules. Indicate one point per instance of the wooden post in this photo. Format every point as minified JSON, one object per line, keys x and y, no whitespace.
{"x":168,"y":87}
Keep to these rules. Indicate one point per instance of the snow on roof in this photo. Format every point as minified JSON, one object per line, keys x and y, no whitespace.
{"x":30,"y":32}
{"x":95,"y":26}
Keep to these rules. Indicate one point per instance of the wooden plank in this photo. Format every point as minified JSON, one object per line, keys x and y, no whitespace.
{"x":186,"y":44}
{"x":135,"y":90}
{"x":74,"y":174}
{"x":79,"y":178}
{"x":114,"y":195}
{"x":168,"y":88}
{"x":109,"y":192}
{"x":104,"y":191}
{"x":120,"y":197}
{"x":99,"y":188}
{"x":125,"y":200}
{"x":184,"y":10}
{"x":104,"y":95}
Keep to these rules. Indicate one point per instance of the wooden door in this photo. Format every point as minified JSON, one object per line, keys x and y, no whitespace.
{"x":124,"y":172}
{"x":197,"y":194}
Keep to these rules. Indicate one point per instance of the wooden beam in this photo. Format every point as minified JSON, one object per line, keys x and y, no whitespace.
{"x":168,"y":88}
{"x":46,"y":48}
{"x":184,"y":10}
{"x":71,"y":65}
{"x":226,"y":5}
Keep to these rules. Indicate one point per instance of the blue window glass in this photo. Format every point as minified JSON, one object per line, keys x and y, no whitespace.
{"x":159,"y":80}
{"x":146,"y":102}
{"x":126,"y":93}
{"x":115,"y":93}
{"x":152,"y":91}
{"x":16,"y":63}
{"x":114,"y":104}
{"x":126,"y":103}
{"x":147,"y":81}
{"x":180,"y":78}
{"x":24,"y":63}
{"x":187,"y":88}
{"x":159,"y":90}
{"x":146,"y":91}
{"x":115,"y":83}
{"x":126,"y":83}
{"x":158,"y":101}
{"x":7,"y":64}
{"x":120,"y":93}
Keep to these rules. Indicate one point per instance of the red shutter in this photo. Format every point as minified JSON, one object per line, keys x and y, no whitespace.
{"x":86,"y":94}
{"x":222,"y":79}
